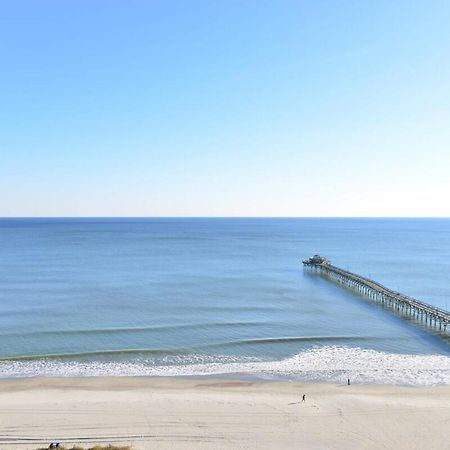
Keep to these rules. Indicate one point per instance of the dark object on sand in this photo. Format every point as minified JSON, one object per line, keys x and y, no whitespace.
{"x":304,"y":398}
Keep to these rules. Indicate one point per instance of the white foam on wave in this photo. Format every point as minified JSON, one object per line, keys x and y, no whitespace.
{"x":324,"y":364}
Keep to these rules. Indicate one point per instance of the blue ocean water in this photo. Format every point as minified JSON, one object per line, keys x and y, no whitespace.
{"x":212,"y":296}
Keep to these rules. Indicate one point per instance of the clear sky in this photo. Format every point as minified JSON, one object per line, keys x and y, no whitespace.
{"x":224,"y":108}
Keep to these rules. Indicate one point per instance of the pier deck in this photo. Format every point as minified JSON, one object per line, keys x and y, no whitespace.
{"x":430,"y":315}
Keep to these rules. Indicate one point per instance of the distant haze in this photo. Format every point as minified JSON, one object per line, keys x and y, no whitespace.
{"x":225,"y":108}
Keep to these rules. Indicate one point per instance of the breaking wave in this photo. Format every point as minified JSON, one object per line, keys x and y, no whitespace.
{"x":329,"y":364}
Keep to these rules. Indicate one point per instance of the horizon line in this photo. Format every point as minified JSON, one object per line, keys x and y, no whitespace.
{"x":224,"y":217}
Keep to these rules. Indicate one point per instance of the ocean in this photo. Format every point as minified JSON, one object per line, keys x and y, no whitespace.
{"x":219,"y":297}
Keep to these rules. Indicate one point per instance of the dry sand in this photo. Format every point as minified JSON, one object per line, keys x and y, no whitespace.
{"x":160,"y":413}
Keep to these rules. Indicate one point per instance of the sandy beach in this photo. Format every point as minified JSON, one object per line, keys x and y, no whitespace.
{"x":163,"y":413}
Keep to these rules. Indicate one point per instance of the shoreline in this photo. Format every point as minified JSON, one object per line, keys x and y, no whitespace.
{"x":54,"y":382}
{"x":138,"y":381}
{"x":220,"y":413}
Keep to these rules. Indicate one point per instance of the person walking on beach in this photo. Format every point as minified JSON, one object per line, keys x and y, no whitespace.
{"x":304,"y":398}
{"x":348,"y":381}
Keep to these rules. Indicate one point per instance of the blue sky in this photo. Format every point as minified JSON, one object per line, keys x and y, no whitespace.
{"x":224,"y":108}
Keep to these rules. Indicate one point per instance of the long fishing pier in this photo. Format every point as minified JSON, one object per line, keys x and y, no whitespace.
{"x":423,"y":312}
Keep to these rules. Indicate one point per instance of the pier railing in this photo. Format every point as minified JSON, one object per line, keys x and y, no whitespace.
{"x":431,"y":315}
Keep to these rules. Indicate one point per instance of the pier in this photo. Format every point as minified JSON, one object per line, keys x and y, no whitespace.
{"x":429,"y":315}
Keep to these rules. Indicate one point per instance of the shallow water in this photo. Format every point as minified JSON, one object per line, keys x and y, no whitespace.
{"x":206,"y":296}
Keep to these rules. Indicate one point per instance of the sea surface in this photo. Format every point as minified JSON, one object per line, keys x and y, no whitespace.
{"x":191,"y":297}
